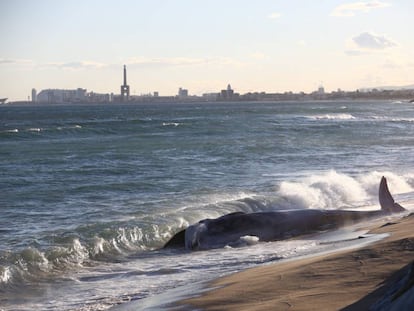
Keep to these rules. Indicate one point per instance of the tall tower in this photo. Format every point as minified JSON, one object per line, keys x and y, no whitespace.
{"x":125,"y":88}
{"x":34,"y":95}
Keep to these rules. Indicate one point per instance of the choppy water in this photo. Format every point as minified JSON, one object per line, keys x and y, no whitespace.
{"x":88,"y":194}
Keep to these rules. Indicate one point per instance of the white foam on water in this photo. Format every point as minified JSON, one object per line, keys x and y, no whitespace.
{"x":5,"y":274}
{"x":175,"y":124}
{"x":333,"y":190}
{"x":334,"y":116}
{"x":10,"y":131}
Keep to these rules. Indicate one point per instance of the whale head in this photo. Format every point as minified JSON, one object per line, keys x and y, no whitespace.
{"x":194,"y":235}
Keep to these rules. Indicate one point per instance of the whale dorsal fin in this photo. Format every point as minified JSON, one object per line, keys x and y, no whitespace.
{"x":386,"y":200}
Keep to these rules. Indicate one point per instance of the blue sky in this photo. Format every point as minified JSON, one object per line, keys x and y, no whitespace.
{"x":261,"y":45}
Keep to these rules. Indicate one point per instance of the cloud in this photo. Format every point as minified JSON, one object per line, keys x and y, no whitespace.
{"x":181,"y":61}
{"x":397,"y":63}
{"x":370,"y":41}
{"x":165,"y":61}
{"x":274,"y":15}
{"x":78,"y":65}
{"x":352,"y":9}
{"x":6,"y":61}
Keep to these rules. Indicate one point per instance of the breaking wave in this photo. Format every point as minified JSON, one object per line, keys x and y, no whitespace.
{"x":35,"y":263}
{"x":336,"y":116}
{"x":171,"y":124}
{"x":333,"y":190}
{"x":22,"y":131}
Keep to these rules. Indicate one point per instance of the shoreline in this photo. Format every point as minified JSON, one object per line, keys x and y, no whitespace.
{"x":168,"y":100}
{"x":345,"y":280}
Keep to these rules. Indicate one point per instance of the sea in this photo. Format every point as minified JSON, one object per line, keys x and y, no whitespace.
{"x":89,"y":194}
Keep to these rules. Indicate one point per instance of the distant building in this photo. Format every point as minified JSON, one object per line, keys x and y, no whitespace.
{"x":62,"y":96}
{"x":34,"y":95}
{"x":98,"y":98}
{"x":210,"y":96}
{"x":182,"y":93}
{"x":321,"y":90}
{"x":228,"y":94}
{"x":125,"y":88}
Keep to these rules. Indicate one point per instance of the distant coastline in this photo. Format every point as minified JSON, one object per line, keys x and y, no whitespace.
{"x":83,"y":96}
{"x":373,"y":94}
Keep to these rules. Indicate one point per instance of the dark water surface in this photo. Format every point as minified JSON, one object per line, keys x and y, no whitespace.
{"x":90,"y":193}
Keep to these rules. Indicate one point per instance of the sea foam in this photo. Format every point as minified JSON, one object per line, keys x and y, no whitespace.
{"x":337,"y":116}
{"x":333,"y":190}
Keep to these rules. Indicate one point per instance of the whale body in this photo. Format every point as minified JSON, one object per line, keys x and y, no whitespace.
{"x":275,"y":225}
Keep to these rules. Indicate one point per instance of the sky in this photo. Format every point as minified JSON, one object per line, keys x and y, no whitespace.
{"x":261,"y":45}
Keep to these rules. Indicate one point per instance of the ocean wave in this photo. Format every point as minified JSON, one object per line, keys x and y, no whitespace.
{"x":171,"y":124}
{"x":391,"y":119}
{"x":10,"y":131}
{"x":82,"y":248}
{"x":32,"y":264}
{"x":43,"y":130}
{"x":88,"y":245}
{"x":34,"y":129}
{"x":5,"y":274}
{"x":335,"y":116}
{"x":69,"y":127}
{"x":333,"y":190}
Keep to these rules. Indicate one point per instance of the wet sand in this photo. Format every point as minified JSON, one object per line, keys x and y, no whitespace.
{"x":345,"y":280}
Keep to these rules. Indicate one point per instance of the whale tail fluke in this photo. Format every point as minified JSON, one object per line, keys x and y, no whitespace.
{"x":386,"y":200}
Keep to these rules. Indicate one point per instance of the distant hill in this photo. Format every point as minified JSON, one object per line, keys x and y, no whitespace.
{"x":388,"y":88}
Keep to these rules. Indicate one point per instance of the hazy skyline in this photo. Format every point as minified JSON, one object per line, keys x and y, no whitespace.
{"x":271,"y":46}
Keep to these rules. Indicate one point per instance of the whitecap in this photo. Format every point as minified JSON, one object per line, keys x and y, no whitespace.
{"x":69,"y":127}
{"x":333,"y":190}
{"x":335,"y":116}
{"x":80,"y":252}
{"x":5,"y":275}
{"x":326,"y":190}
{"x":98,"y":246}
{"x":170,"y":124}
{"x":384,"y":118}
{"x":11,"y":131}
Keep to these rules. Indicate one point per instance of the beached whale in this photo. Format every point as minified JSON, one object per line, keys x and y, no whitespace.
{"x":278,"y":225}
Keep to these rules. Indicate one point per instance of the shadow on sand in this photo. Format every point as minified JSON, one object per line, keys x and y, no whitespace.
{"x":395,"y":293}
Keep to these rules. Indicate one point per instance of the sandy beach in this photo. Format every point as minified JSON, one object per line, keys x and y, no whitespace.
{"x":345,"y":280}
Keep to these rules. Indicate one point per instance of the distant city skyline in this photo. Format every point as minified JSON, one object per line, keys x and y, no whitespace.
{"x":270,"y":46}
